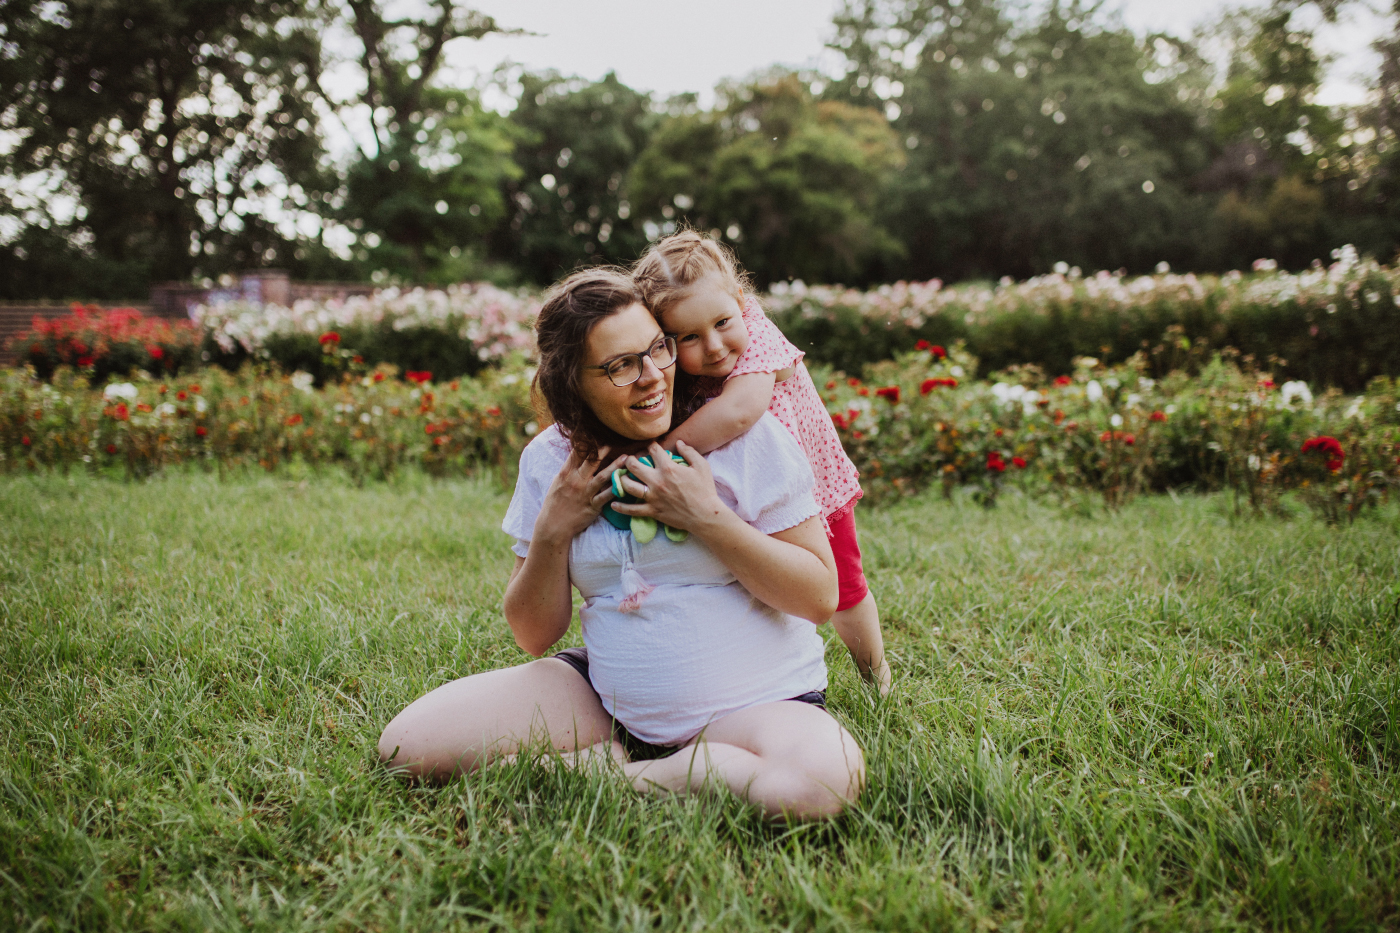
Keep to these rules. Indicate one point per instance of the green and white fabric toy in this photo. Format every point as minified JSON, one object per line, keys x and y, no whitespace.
{"x":643,"y":527}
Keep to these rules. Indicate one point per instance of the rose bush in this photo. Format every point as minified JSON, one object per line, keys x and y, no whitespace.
{"x":370,"y":423}
{"x":1113,"y":431}
{"x":453,"y":332}
{"x":1337,"y":325}
{"x":104,"y":343}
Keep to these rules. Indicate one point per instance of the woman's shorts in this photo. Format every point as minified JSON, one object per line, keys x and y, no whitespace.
{"x":850,"y":576}
{"x":640,"y":749}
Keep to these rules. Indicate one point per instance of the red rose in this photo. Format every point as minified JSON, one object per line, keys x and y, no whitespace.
{"x":201,"y":430}
{"x":111,"y":448}
{"x":24,"y":440}
{"x":181,"y":395}
{"x":1063,"y":380}
{"x":1157,"y":416}
{"x":1330,"y":447}
{"x":329,"y":336}
{"x":155,"y":352}
{"x":862,"y":391}
{"x":418,"y":377}
{"x":837,"y":420}
{"x":889,"y":392}
{"x":84,"y":361}
{"x":853,"y":381}
{"x":937,"y":352}
{"x":493,"y":411}
{"x":1129,"y":439}
{"x":194,"y":388}
{"x":1266,"y":383}
{"x":995,"y":463}
{"x":1020,"y":462}
{"x":120,"y":411}
{"x":922,"y":345}
{"x":429,"y":428}
{"x":293,"y":420}
{"x":831,"y":384}
{"x":378,"y":377}
{"x":857,"y":435}
{"x":928,"y":385}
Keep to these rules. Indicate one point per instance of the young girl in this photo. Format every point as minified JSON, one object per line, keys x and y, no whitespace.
{"x":744,"y":366}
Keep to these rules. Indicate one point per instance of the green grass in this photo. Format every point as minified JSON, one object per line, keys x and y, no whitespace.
{"x":1161,"y":719}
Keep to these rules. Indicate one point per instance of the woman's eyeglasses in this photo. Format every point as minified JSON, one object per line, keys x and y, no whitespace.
{"x":625,"y":370}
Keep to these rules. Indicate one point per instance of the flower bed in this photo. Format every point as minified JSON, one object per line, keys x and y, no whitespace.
{"x":1115,"y":431}
{"x":1338,"y":325}
{"x":107,"y":343}
{"x":370,"y":423}
{"x":452,"y":332}
{"x":917,"y":421}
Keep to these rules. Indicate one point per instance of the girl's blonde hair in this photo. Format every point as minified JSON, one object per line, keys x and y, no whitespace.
{"x":674,"y":264}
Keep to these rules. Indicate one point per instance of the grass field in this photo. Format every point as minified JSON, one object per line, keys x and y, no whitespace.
{"x":1163,"y":719}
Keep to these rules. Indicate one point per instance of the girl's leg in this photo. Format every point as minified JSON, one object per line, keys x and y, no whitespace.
{"x":790,"y":759}
{"x":859,"y":628}
{"x":471,"y":722}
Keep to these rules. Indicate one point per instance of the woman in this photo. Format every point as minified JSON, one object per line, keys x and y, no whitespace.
{"x":703,"y":651}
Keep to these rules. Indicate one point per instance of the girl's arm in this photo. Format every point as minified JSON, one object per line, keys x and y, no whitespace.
{"x":740,"y":404}
{"x":538,"y":604}
{"x":792,"y":571}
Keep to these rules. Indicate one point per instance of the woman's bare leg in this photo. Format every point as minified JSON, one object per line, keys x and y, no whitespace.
{"x":790,"y":759}
{"x":467,"y":724}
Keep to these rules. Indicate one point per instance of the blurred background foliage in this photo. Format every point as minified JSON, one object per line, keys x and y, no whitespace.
{"x":967,"y":139}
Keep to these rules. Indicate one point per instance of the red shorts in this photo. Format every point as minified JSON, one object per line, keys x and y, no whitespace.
{"x":850,"y":577}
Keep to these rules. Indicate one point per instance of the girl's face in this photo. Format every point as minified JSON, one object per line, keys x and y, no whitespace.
{"x":709,"y":327}
{"x":642,"y":410}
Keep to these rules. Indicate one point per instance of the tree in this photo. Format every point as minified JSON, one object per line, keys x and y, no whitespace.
{"x":425,"y":185}
{"x":150,"y":140}
{"x":1030,"y":142}
{"x":1276,"y":144}
{"x":576,"y":142}
{"x":792,"y":182}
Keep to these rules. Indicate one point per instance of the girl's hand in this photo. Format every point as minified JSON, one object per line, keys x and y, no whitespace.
{"x":576,"y":497}
{"x":683,"y":497}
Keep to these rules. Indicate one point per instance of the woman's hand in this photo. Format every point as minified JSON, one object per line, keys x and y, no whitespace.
{"x":683,"y":497}
{"x":792,"y":571}
{"x":576,"y":497}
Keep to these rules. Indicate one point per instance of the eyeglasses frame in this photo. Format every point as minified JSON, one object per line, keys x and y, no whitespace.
{"x":668,"y":340}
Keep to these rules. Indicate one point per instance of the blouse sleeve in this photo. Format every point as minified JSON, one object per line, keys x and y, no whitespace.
{"x":765,"y":478}
{"x":769,"y":351}
{"x":539,"y":464}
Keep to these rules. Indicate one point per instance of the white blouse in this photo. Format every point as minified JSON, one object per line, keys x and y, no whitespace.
{"x":674,"y":640}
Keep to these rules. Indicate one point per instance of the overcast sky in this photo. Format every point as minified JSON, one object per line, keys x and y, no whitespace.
{"x":670,"y":46}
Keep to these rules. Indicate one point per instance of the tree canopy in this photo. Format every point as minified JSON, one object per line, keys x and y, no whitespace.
{"x":959,"y":139}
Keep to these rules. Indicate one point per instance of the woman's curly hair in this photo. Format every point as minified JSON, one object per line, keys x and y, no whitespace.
{"x":570,"y":311}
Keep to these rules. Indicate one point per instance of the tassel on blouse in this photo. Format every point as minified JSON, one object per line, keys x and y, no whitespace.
{"x":634,"y":587}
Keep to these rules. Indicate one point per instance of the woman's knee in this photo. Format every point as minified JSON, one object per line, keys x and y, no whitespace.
{"x":461,"y":725}
{"x":833,"y":768}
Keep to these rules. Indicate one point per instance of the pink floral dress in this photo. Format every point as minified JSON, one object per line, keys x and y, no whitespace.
{"x":798,"y":405}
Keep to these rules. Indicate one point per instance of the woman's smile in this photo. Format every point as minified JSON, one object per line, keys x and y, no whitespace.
{"x":652,"y":403}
